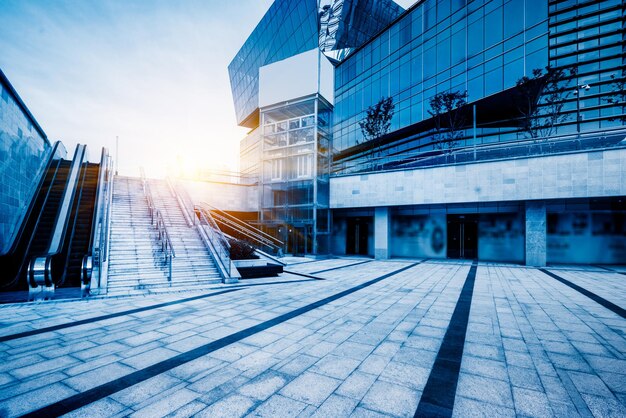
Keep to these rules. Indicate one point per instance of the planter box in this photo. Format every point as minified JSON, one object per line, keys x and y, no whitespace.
{"x":249,"y":269}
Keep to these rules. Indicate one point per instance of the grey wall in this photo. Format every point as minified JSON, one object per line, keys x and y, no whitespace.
{"x":23,"y":153}
{"x":583,"y":174}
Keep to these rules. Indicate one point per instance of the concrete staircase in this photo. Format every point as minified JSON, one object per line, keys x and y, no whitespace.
{"x":193,"y":263}
{"x":136,"y":263}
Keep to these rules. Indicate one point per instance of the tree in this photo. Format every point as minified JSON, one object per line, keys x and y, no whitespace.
{"x":540,"y":100}
{"x":377,"y":123}
{"x":448,"y":116}
{"x":617,"y":96}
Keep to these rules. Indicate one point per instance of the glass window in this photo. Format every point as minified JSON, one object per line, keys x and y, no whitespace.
{"x":536,"y":11}
{"x":493,"y":81}
{"x":513,"y":22}
{"x":512,"y":72}
{"x":493,"y":27}
{"x":308,"y":121}
{"x":457,"y":47}
{"x":475,"y":38}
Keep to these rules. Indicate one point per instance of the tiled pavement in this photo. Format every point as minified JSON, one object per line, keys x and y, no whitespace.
{"x":533,"y":347}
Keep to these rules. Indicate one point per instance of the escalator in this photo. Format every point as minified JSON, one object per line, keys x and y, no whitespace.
{"x":34,"y":233}
{"x":62,"y":228}
{"x":67,"y":266}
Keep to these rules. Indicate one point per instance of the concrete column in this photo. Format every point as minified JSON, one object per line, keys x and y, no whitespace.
{"x":381,"y":233}
{"x":536,"y":241}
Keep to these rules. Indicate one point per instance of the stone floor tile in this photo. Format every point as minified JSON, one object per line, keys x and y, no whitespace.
{"x":166,"y":405}
{"x":311,"y":388}
{"x":414,"y":377}
{"x":464,"y":407}
{"x":604,"y":407}
{"x":103,"y":408}
{"x":149,"y":358}
{"x":279,"y":407}
{"x":485,"y":389}
{"x":189,"y":410}
{"x":590,"y":384}
{"x":141,"y":392}
{"x":336,"y":406}
{"x":98,"y":376}
{"x":228,"y":407}
{"x":38,"y":398}
{"x":391,"y":399}
{"x":264,"y":385}
{"x":531,"y":403}
{"x":484,"y":367}
{"x":356,"y":385}
{"x":335,"y":366}
{"x":524,"y":378}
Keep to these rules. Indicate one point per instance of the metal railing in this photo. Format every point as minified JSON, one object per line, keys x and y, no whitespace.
{"x":214,"y":240}
{"x":103,"y":214}
{"x":484,"y":152}
{"x":156,"y":219}
{"x":184,"y":202}
{"x":215,"y":237}
{"x":256,"y":236}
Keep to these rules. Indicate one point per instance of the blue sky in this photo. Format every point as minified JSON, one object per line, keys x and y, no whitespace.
{"x":153,"y":72}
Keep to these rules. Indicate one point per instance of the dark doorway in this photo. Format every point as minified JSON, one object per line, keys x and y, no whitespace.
{"x":357,"y":235}
{"x":299,"y":241}
{"x":463,"y":236}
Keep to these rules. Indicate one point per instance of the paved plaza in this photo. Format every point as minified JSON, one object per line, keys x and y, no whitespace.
{"x":331,"y":338}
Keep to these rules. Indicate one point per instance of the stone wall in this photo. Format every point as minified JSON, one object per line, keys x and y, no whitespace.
{"x":23,"y":154}
{"x":582,"y":174}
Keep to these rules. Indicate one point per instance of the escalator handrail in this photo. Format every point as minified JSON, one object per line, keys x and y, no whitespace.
{"x":17,"y":236}
{"x":73,"y":219}
{"x":63,"y":215}
{"x":99,"y":202}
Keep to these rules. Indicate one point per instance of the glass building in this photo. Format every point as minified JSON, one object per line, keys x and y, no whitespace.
{"x":499,"y":190}
{"x":288,"y":148}
{"x":482,"y":48}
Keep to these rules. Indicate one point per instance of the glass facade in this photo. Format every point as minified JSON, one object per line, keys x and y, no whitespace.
{"x":348,"y":24}
{"x":288,"y":28}
{"x":294,"y":190}
{"x":483,"y":48}
{"x":292,"y":27}
{"x":591,"y":36}
{"x":250,"y":156}
{"x":289,"y":146}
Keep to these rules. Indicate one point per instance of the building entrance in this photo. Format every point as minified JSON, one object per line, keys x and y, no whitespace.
{"x":463,"y":236}
{"x":299,"y":242}
{"x":357,"y":235}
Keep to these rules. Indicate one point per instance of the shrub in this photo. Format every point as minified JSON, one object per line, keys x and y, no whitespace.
{"x":240,"y":250}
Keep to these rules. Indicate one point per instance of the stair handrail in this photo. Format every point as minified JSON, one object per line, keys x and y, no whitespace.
{"x":156,"y":219}
{"x":216,"y":239}
{"x":244,"y":229}
{"x":244,"y":224}
{"x":99,"y":238}
{"x":184,"y":202}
